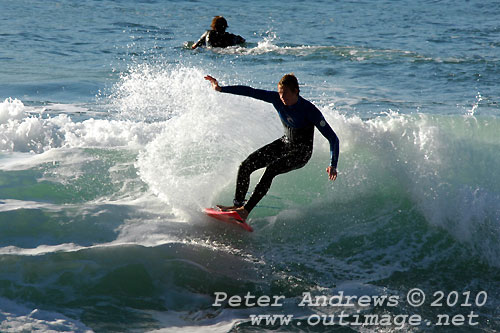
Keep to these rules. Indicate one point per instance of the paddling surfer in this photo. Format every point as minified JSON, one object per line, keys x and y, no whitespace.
{"x":292,"y":151}
{"x":217,"y":36}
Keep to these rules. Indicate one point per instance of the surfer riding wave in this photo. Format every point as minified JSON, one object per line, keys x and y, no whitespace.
{"x":292,"y":151}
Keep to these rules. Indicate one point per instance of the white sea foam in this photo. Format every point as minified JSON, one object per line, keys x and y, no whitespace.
{"x":19,"y":318}
{"x":22,"y":131}
{"x":203,"y":141}
{"x":11,"y":109}
{"x":7,"y":205}
{"x":270,"y":44}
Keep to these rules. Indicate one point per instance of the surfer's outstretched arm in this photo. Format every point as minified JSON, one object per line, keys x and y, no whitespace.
{"x":263,"y":95}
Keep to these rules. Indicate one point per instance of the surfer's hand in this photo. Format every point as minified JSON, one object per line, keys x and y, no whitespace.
{"x":332,"y":173}
{"x":214,"y":82}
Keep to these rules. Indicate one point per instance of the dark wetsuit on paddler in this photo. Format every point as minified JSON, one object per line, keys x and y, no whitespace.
{"x":217,"y":36}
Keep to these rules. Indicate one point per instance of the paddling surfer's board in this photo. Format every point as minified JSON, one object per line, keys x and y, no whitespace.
{"x":228,"y":217}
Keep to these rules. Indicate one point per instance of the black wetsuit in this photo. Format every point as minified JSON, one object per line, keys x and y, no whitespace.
{"x":290,"y":152}
{"x":212,"y":38}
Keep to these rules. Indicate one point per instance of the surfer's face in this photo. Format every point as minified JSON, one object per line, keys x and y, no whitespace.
{"x":287,"y":95}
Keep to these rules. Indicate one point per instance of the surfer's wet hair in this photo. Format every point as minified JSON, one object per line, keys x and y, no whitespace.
{"x":219,"y":23}
{"x":290,"y":81}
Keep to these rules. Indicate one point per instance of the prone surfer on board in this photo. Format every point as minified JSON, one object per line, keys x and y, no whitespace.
{"x":292,"y":151}
{"x":217,"y":36}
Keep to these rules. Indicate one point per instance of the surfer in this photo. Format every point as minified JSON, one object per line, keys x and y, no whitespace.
{"x":217,"y":36}
{"x":292,"y":151}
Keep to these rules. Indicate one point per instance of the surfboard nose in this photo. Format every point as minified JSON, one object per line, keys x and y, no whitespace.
{"x":231,"y":217}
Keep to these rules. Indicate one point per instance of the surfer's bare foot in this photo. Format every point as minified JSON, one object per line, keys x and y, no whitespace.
{"x":226,"y":208}
{"x":242,"y":212}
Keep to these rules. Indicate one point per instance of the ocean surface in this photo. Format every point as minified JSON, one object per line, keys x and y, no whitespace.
{"x":111,"y":144}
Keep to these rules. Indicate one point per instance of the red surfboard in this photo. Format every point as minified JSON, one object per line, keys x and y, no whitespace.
{"x":228,"y":217}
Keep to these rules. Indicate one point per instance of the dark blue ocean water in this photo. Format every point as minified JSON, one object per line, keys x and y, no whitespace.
{"x":111,"y":143}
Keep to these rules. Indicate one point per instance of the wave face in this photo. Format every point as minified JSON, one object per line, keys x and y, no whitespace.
{"x":82,"y":197}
